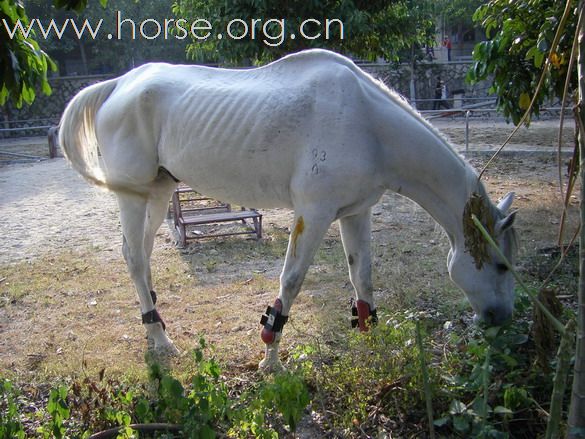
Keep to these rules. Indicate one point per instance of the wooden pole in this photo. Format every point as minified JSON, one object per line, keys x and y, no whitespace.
{"x":576,"y":424}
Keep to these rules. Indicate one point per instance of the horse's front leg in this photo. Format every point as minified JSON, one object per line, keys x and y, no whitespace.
{"x":356,"y":238}
{"x":133,"y":211}
{"x":308,"y":229}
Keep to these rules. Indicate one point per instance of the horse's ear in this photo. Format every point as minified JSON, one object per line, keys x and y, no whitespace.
{"x":505,"y":223}
{"x":505,"y":203}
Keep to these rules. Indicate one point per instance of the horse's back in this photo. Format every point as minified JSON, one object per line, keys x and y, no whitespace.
{"x":162,"y":83}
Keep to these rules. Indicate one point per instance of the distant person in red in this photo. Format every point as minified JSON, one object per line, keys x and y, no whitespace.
{"x":447,"y":44}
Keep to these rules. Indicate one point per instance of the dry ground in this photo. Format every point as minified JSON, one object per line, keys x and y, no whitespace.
{"x":67,"y":306}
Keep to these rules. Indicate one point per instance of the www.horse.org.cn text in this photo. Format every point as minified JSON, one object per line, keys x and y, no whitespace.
{"x":273,"y":32}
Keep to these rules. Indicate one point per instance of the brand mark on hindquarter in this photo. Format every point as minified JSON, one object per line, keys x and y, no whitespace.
{"x":319,"y":156}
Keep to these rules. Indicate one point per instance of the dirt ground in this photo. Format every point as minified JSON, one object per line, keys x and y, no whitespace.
{"x":67,"y":306}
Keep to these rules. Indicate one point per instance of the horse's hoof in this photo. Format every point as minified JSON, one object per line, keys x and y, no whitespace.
{"x":163,"y":350}
{"x":270,"y":367}
{"x":167,"y":350}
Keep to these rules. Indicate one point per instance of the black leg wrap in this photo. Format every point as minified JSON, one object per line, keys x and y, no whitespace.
{"x":153,"y":317}
{"x":273,"y":320}
{"x":354,"y":315}
{"x":153,"y":295}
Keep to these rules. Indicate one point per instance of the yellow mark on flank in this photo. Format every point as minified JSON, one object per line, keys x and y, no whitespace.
{"x":298,"y":230}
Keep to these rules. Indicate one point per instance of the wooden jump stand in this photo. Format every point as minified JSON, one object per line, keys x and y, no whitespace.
{"x":191,"y":209}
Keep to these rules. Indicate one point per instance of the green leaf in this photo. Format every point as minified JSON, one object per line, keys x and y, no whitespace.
{"x":143,"y":410}
{"x":28,"y":94}
{"x":441,"y":422}
{"x":172,"y":387}
{"x":492,"y":332}
{"x":46,"y":87}
{"x":457,"y":407}
{"x":524,"y":103}
{"x":207,"y":433}
{"x":542,"y":45}
{"x":538,"y":59}
{"x":501,"y":410}
{"x":531,"y":53}
{"x":518,"y":339}
{"x":461,"y":423}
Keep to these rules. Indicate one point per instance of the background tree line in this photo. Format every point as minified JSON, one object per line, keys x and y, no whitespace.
{"x":391,"y":30}
{"x":104,"y":55}
{"x":373,"y":30}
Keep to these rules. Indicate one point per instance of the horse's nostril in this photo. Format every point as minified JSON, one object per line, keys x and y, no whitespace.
{"x":489,"y":317}
{"x":495,"y":316}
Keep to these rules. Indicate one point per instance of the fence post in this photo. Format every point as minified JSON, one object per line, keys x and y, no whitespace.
{"x":52,"y":137}
{"x":467,"y":113}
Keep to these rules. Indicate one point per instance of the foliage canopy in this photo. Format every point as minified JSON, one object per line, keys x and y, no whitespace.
{"x":371,"y":29}
{"x":131,"y":45}
{"x":23,"y":65}
{"x":519,"y":38}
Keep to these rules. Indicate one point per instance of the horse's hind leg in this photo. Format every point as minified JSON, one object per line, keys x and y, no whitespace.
{"x":156,"y":208}
{"x":309,"y":227}
{"x":133,"y":214}
{"x":356,"y":236}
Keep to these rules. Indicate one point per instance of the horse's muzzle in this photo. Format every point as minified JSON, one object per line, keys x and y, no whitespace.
{"x":494,"y":316}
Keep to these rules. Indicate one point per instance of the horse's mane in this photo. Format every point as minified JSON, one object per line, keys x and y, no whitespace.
{"x":405,"y":105}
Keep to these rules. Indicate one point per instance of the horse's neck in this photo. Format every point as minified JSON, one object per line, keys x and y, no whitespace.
{"x":428,"y":171}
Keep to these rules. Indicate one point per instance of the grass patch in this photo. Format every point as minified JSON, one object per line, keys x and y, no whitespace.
{"x":73,"y":317}
{"x":485,"y":383}
{"x":203,"y":405}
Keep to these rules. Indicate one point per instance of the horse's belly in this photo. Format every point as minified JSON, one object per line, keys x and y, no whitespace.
{"x":246,"y":182}
{"x":257,"y":194}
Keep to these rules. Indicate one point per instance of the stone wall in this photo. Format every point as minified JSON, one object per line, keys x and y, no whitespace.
{"x":452,"y":74}
{"x":46,"y":110}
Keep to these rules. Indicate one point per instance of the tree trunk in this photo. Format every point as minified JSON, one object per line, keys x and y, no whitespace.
{"x":412,"y":79}
{"x":83,"y":57}
{"x":577,"y":410}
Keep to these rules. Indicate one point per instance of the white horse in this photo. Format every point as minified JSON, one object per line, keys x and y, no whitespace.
{"x":311,"y":132}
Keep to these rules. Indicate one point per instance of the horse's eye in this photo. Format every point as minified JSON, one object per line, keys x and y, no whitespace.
{"x":502,"y":268}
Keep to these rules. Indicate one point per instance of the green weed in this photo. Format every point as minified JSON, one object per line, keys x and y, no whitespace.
{"x":10,"y":423}
{"x":484,"y":382}
{"x":203,"y":407}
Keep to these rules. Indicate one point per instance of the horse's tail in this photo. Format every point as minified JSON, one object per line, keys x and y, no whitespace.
{"x":77,"y":132}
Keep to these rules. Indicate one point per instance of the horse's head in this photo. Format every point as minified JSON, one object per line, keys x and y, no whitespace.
{"x":477,"y":269}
